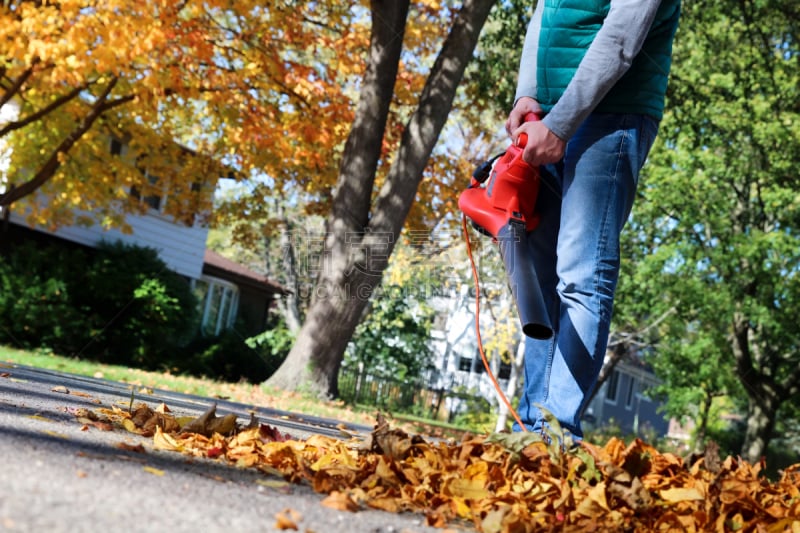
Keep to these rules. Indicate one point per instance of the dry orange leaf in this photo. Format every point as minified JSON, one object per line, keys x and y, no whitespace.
{"x":681,"y":494}
{"x":164,"y":441}
{"x":137,"y":448}
{"x":468,"y":489}
{"x":340,"y":501}
{"x":287,"y":519}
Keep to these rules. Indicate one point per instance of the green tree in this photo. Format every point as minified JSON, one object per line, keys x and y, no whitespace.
{"x":688,"y":363}
{"x":393,"y":340}
{"x":278,"y":238}
{"x":491,"y":80}
{"x":721,"y":211}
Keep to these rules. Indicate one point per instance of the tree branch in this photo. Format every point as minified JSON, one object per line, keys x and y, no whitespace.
{"x":49,"y":168}
{"x":33,"y":117}
{"x":9,"y":93}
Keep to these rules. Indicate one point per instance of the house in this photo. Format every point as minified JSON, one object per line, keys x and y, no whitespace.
{"x":622,"y":401}
{"x":227,"y":292}
{"x":459,"y":361}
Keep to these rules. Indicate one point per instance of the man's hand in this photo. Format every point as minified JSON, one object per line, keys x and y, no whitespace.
{"x":543,"y":146}
{"x":516,"y":118}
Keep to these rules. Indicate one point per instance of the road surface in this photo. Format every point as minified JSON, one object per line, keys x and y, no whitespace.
{"x":57,"y":476}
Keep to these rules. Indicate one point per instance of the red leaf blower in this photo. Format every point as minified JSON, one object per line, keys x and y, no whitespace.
{"x":504,"y":210}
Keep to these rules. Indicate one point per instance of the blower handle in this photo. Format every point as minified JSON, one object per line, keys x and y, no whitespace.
{"x":522,"y":140}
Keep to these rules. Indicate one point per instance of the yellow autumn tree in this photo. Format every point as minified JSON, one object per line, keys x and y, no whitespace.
{"x":254,"y":87}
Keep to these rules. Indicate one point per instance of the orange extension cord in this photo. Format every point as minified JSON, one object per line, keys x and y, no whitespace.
{"x":500,"y":392}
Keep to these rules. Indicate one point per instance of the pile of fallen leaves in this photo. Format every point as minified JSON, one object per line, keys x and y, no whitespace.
{"x":516,"y":482}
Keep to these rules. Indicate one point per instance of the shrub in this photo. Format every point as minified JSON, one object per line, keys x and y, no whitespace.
{"x":227,"y":357}
{"x":35,"y":305}
{"x":118,"y":304}
{"x":141,"y":312}
{"x":232,"y":357}
{"x":273,"y":344}
{"x":121,"y":304}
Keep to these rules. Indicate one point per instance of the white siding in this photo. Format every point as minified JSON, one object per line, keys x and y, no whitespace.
{"x":179,"y":246}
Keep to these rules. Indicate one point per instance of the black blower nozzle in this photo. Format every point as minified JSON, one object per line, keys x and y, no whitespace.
{"x":523,"y":281}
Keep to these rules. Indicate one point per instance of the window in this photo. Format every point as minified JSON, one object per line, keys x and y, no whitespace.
{"x":219,"y":301}
{"x":473,"y":365}
{"x":153,"y":201}
{"x":505,"y":370}
{"x":611,"y":387}
{"x":116,"y":147}
{"x":189,"y":207}
{"x":630,"y":396}
{"x":477,"y":363}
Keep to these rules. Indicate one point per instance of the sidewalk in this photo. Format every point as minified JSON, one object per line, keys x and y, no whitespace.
{"x":60,"y":476}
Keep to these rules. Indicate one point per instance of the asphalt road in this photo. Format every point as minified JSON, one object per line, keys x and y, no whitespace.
{"x":57,"y":477}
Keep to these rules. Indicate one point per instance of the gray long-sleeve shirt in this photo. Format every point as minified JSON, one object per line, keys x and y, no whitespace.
{"x":610,"y":55}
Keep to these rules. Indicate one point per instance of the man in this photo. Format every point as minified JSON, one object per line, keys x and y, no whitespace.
{"x":596,"y":72}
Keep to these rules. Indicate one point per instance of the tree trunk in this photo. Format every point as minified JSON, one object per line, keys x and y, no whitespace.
{"x":290,"y":304}
{"x":764,"y":395}
{"x":361,"y":237}
{"x":702,"y":428}
{"x":761,"y":415}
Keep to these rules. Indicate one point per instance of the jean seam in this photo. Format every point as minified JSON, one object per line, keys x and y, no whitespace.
{"x":601,"y":245}
{"x":548,"y":369}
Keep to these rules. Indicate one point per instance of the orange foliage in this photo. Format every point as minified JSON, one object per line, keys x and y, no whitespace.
{"x":503,"y":483}
{"x":267,"y":91}
{"x":257,"y":89}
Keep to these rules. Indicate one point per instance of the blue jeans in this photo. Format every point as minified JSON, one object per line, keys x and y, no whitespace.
{"x":584,"y":201}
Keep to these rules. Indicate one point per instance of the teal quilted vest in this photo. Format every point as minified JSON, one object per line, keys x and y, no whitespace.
{"x":569,"y":27}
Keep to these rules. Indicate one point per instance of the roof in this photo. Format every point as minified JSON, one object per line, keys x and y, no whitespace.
{"x":216,"y":265}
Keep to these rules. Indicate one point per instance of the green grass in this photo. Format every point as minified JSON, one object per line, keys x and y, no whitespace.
{"x":247,"y":393}
{"x":257,"y":395}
